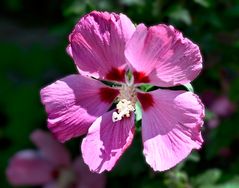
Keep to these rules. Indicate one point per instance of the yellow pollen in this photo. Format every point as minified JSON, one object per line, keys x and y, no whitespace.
{"x":124,"y":108}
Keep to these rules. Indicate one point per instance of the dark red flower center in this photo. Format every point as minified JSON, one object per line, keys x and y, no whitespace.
{"x":146,"y":100}
{"x":140,"y":77}
{"x":108,"y":94}
{"x":116,"y":74}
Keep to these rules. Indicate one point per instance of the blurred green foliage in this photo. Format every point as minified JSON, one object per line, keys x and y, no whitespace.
{"x":33,"y":38}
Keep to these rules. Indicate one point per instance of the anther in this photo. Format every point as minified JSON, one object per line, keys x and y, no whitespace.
{"x":124,"y":108}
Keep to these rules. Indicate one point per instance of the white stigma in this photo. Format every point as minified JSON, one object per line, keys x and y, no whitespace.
{"x":124,"y":108}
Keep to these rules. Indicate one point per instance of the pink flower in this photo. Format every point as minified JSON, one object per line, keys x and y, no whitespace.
{"x":222,"y":106}
{"x":107,"y":46}
{"x":50,"y":166}
{"x":219,"y":106}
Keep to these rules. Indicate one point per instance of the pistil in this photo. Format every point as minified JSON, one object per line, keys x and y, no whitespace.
{"x":126,"y":102}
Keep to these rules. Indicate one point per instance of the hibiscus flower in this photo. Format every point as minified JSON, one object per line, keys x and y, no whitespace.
{"x":50,"y":166}
{"x":219,"y":107}
{"x":114,"y":59}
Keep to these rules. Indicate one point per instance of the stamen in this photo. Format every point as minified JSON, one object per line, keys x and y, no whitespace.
{"x":124,"y":108}
{"x":126,"y":99}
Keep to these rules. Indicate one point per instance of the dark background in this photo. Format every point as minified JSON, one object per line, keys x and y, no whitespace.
{"x":33,"y":38}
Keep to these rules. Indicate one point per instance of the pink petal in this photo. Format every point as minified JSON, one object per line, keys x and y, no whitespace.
{"x":51,"y":185}
{"x":52,"y":150}
{"x":71,"y":105}
{"x":97,"y":44}
{"x":106,"y":141}
{"x":29,"y":168}
{"x":87,"y":179}
{"x":213,"y":122}
{"x":171,"y":128}
{"x":222,"y":106}
{"x":162,"y":56}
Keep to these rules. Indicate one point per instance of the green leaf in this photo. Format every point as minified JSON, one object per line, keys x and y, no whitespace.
{"x":194,"y":156}
{"x":132,"y":2}
{"x":233,"y":11}
{"x":225,"y":130}
{"x":209,"y":177}
{"x":189,"y":87}
{"x":146,"y":87}
{"x":14,"y":5}
{"x":233,"y":183}
{"x":138,"y":112}
{"x":179,"y":13}
{"x":209,"y":115}
{"x":204,"y":3}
